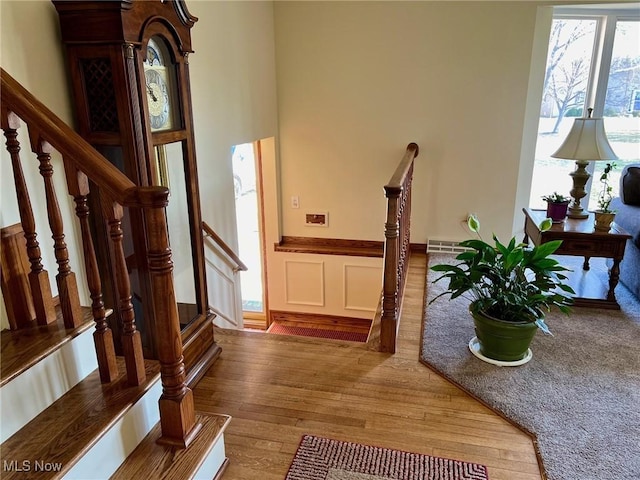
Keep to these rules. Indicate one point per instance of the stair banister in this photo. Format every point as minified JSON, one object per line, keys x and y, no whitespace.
{"x":396,"y":250}
{"x":72,"y":147}
{"x":38,"y":276}
{"x":239,"y":264}
{"x":177,"y":415}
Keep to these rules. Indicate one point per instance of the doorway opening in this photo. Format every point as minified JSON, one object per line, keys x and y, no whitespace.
{"x":247,"y":178}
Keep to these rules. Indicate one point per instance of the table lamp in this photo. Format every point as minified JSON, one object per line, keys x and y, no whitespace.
{"x":586,"y":142}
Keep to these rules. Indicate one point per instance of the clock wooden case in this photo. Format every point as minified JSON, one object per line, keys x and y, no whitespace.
{"x":129,"y":70}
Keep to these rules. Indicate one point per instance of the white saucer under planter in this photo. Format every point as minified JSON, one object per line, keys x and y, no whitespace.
{"x":474,"y":346}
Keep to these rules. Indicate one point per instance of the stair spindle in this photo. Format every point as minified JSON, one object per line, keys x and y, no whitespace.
{"x":78,"y":184}
{"x":131,"y":340}
{"x":38,"y":276}
{"x":66,"y":278}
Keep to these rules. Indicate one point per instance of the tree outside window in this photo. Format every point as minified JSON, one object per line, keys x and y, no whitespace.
{"x":571,"y":86}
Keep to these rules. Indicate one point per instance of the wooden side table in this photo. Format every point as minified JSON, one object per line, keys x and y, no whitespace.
{"x":579,"y":239}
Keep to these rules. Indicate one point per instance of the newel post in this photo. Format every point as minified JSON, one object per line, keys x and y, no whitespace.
{"x":177,"y":411}
{"x":388,"y":321}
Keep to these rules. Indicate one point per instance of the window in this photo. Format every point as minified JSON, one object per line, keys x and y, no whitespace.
{"x":593,"y":61}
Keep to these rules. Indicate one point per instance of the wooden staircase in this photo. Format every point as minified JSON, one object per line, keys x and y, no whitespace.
{"x":70,"y":408}
{"x":91,"y":430}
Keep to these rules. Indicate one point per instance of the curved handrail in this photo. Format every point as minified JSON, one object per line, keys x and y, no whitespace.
{"x":75,"y":149}
{"x":398,"y":178}
{"x":225,"y":248}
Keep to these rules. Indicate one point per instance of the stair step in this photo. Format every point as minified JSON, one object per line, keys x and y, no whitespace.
{"x":59,"y":437}
{"x":22,"y":349}
{"x":40,"y":364}
{"x":205,"y":457}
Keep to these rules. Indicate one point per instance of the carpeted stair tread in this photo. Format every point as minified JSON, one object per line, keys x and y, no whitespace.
{"x":152,"y":461}
{"x":63,"y":432}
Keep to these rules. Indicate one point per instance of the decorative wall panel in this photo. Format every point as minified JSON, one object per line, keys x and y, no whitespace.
{"x":362,"y":287}
{"x":304,"y":283}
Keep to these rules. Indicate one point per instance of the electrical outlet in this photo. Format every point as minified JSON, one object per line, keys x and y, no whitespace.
{"x":295,"y":202}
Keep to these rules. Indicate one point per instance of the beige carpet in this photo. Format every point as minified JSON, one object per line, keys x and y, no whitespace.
{"x":579,"y":395}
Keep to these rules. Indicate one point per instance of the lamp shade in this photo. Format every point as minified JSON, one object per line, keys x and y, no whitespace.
{"x":586,"y":141}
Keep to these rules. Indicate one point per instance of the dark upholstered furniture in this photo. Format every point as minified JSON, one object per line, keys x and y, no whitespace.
{"x":628,"y":217}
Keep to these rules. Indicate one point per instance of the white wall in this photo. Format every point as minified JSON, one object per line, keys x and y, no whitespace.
{"x":233,"y":88}
{"x":233,"y":85}
{"x":31,"y":52}
{"x":358,"y":81}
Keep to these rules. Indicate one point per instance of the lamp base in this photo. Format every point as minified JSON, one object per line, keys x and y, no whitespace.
{"x":580,"y":177}
{"x":580,"y":214}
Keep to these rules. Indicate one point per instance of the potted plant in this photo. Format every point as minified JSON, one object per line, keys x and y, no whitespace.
{"x":604,"y":216}
{"x":557,"y":205}
{"x":511,"y":287}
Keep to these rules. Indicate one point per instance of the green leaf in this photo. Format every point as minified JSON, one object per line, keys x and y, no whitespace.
{"x":545,"y":224}
{"x":444,"y":268}
{"x":546,"y":249}
{"x":473,"y":223}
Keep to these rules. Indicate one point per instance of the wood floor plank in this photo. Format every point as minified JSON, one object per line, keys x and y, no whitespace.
{"x":277,"y":388}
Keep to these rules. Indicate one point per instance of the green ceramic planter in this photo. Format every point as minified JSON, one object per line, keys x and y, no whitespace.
{"x":500,"y":340}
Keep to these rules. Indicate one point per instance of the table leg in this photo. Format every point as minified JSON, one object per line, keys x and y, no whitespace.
{"x":614,"y":276}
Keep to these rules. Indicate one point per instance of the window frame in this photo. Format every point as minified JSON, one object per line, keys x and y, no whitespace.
{"x":606,"y":18}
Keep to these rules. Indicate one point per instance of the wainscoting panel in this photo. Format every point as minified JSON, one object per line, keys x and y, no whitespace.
{"x":362,"y":285}
{"x":304,"y":282}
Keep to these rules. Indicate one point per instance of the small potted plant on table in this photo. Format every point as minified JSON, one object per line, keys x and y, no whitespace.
{"x":511,"y":287}
{"x":604,"y":216}
{"x":557,"y":205}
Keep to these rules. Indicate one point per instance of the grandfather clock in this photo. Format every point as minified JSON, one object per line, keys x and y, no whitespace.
{"x":128,"y":63}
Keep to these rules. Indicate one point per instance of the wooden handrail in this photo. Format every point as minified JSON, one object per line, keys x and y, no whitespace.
{"x":396,"y":250}
{"x":82,"y":163}
{"x":225,"y":248}
{"x":397,"y":180}
{"x":15,"y":98}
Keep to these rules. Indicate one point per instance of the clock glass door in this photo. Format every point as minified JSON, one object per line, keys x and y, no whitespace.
{"x":170,"y":173}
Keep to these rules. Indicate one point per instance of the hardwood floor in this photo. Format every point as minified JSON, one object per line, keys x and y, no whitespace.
{"x":277,"y":388}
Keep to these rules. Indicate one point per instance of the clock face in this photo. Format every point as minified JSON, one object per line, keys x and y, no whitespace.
{"x":159,"y":85}
{"x":158,"y":100}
